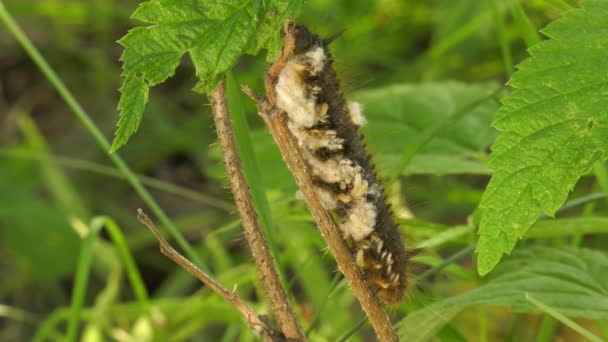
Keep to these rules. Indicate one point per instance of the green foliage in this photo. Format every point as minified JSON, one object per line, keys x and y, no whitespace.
{"x":131,"y":106}
{"x":428,"y":75}
{"x":423,"y":325}
{"x":553,"y":129}
{"x":572,"y":281}
{"x":439,"y":128}
{"x":213,"y":33}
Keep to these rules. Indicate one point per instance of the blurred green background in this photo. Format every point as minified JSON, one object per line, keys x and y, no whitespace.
{"x":417,"y":66}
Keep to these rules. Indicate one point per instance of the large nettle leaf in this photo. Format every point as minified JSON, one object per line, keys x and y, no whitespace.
{"x":553,"y":129}
{"x":571,"y":281}
{"x":439,"y":128}
{"x":214,"y":33}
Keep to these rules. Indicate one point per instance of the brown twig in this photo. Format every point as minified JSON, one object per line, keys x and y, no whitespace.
{"x":253,"y":232}
{"x":275,"y":120}
{"x":257,"y":323}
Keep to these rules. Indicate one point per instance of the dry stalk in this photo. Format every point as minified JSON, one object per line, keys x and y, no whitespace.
{"x":275,"y":120}
{"x":253,"y":232}
{"x":255,"y":322}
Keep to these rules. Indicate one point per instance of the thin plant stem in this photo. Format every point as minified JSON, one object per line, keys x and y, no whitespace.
{"x":151,"y":182}
{"x":483,"y":329}
{"x":503,"y":40}
{"x":330,"y":231}
{"x":137,"y":283}
{"x":527,"y":30}
{"x":81,"y":280}
{"x":353,"y":330}
{"x":250,"y":221}
{"x":445,"y":263}
{"x":255,"y":322}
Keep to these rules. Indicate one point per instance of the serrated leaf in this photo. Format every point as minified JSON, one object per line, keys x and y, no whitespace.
{"x":400,"y":116}
{"x":214,"y":33}
{"x":222,"y":44}
{"x":553,"y":129}
{"x":274,"y":15}
{"x":572,"y":281}
{"x":134,"y":97}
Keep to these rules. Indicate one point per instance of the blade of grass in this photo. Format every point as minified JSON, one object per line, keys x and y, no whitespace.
{"x":17,"y":314}
{"x":46,"y":330}
{"x":547,"y":329}
{"x":601,"y":175}
{"x":82,"y":278}
{"x":453,"y":258}
{"x":85,"y":165}
{"x":483,"y":328}
{"x":514,"y":328}
{"x":503,"y":40}
{"x":55,"y":180}
{"x":252,"y":173}
{"x":137,"y":283}
{"x":453,"y":233}
{"x":568,"y":226}
{"x":563,"y":319}
{"x":461,"y":34}
{"x":582,"y":200}
{"x":334,"y":284}
{"x":101,"y":140}
{"x":527,"y":30}
{"x":353,"y":330}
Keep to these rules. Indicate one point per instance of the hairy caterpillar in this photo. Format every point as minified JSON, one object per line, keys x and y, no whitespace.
{"x":302,"y":83}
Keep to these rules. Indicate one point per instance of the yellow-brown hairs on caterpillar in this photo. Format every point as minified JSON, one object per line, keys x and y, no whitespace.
{"x":303,"y":84}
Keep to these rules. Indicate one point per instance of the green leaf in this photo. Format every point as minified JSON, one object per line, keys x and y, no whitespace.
{"x":213,"y":33}
{"x":222,"y":44}
{"x":134,"y":97}
{"x":553,"y":130}
{"x":424,"y":324}
{"x":276,"y":12}
{"x":572,"y":281}
{"x":437,"y":128}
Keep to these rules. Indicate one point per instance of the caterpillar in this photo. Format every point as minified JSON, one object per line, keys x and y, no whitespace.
{"x":303,"y":84}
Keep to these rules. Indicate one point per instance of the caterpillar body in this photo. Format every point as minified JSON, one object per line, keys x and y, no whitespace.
{"x":303,"y":84}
